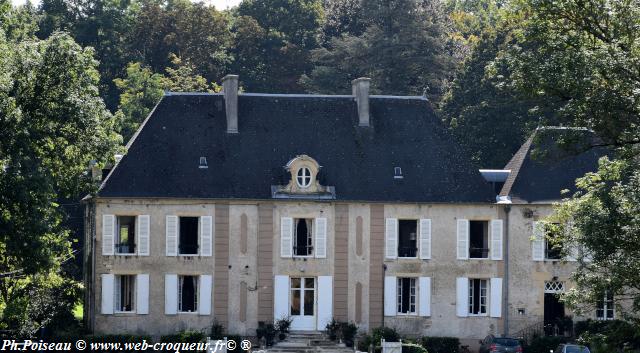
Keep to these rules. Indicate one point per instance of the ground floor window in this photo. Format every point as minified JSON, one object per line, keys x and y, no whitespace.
{"x":604,"y":308}
{"x":477,"y":296}
{"x":124,"y":293}
{"x":406,"y":295}
{"x":188,"y":294}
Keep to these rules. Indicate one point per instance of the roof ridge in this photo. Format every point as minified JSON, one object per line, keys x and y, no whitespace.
{"x":294,"y":95}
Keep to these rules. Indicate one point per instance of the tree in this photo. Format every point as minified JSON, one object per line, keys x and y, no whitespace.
{"x":52,"y":125}
{"x":402,"y":50}
{"x":19,"y":22}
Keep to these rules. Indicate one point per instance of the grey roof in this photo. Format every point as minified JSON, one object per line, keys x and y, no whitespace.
{"x":549,"y":162}
{"x":162,"y":158}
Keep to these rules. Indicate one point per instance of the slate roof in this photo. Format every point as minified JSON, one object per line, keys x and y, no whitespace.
{"x":544,"y":166}
{"x":162,"y":159}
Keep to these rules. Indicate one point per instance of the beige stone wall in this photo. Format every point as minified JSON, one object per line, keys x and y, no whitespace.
{"x":262,"y":261}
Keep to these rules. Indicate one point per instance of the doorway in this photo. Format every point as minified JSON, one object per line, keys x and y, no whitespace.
{"x":554,"y":314}
{"x":303,"y":303}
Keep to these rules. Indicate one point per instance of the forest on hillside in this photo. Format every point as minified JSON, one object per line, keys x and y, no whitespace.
{"x":77,"y":77}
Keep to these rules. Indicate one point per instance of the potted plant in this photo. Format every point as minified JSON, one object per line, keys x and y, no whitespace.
{"x":282,"y":325}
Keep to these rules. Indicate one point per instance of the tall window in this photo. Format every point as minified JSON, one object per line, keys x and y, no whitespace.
{"x":553,"y":250}
{"x":604,"y":308}
{"x":188,"y":242}
{"x":303,"y":239}
{"x":406,"y":295}
{"x":477,"y":296}
{"x":304,"y":177}
{"x":125,"y":235}
{"x":407,"y":238}
{"x":124,"y":293}
{"x":188,"y":294}
{"x":478,"y":239}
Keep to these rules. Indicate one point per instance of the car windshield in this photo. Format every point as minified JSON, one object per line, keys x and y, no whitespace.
{"x":577,"y":349}
{"x":509,"y":342}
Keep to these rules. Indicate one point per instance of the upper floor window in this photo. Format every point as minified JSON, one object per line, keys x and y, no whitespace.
{"x":188,"y":239}
{"x":478,"y":239}
{"x":553,"y":250}
{"x":304,"y":177}
{"x":407,"y":238}
{"x":303,"y":238}
{"x":604,"y":307}
{"x":125,"y":242}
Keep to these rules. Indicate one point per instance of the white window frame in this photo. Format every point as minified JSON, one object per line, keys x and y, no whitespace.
{"x":417,"y":240}
{"x":486,"y":297}
{"x":197,"y":236}
{"x":116,"y":236}
{"x":412,"y":296}
{"x":196,"y":293}
{"x":310,"y":237}
{"x":303,"y":177}
{"x":117,"y":289}
{"x":605,"y":307}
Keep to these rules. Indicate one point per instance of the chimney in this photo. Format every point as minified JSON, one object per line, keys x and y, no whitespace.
{"x":230,"y":90}
{"x":360,"y":90}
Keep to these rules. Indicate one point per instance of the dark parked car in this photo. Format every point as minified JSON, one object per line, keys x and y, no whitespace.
{"x":571,"y":348}
{"x":492,"y":344}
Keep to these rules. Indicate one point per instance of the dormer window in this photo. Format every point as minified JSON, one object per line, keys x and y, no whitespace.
{"x":304,"y":177}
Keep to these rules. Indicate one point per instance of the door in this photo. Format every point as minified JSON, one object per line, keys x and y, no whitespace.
{"x":553,"y":315}
{"x":303,"y":303}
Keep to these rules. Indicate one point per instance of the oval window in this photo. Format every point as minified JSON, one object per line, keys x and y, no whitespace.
{"x":304,"y":177}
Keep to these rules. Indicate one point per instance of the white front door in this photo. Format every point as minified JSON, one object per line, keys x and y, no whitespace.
{"x":302,"y":299}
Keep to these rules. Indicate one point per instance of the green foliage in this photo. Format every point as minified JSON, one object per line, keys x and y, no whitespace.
{"x":544,"y":344}
{"x":348,"y":332}
{"x":283,"y":324}
{"x":217,"y":330}
{"x":376,"y":336}
{"x":441,"y":344}
{"x":610,"y":334}
{"x":333,"y":329}
{"x":184,"y":337}
{"x":266,"y":331}
{"x":413,"y":348}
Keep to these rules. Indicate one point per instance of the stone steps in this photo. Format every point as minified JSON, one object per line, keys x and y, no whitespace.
{"x":308,"y":342}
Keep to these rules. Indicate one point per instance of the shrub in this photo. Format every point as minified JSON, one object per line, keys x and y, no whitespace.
{"x":333,"y":328}
{"x":184,"y":337}
{"x":413,"y":348}
{"x":283,"y":324}
{"x":266,"y":331}
{"x":544,"y":344}
{"x":609,"y":333}
{"x":376,"y":336}
{"x":441,"y":344}
{"x":217,"y":330}
{"x":348,"y":332}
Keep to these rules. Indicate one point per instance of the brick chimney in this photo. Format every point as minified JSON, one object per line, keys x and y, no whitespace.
{"x":360,"y":90}
{"x":230,"y":91}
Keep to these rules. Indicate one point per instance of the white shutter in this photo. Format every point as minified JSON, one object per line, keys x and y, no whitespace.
{"x":108,"y":293}
{"x":321,"y":239}
{"x":425,"y":239}
{"x":142,"y":294}
{"x":286,"y":237}
{"x":463,"y":239}
{"x":391,"y":238}
{"x":172,"y":236}
{"x":281,"y":297}
{"x":204,"y":298}
{"x":170,"y":294}
{"x":143,"y":235}
{"x":496,"y":239}
{"x":496,"y":297}
{"x":390,"y":292}
{"x":462,"y":296}
{"x":424,"y":289}
{"x":206,"y":235}
{"x":325,"y":300}
{"x":537,"y":244}
{"x":108,"y":236}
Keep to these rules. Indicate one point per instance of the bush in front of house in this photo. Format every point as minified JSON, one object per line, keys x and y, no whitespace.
{"x":266,"y":331}
{"x":413,"y":348}
{"x":544,"y":344}
{"x":345,"y":331}
{"x":616,"y":334}
{"x":184,"y":337}
{"x":441,"y":344}
{"x":377,"y":334}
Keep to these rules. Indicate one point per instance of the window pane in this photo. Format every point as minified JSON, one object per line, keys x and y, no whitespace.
{"x":308,"y":302}
{"x":295,"y":302}
{"x":309,"y":283}
{"x":295,"y":283}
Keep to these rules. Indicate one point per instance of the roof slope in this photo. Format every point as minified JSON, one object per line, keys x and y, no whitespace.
{"x":162,"y":162}
{"x":544,"y":165}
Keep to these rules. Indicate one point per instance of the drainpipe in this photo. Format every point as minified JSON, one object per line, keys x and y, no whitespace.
{"x":505,"y":303}
{"x":384,"y":272}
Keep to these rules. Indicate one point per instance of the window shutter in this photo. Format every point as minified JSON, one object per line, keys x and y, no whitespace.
{"x":424,"y":290}
{"x":425,"y":239}
{"x":206,"y":235}
{"x":143,"y":235}
{"x":391,"y":239}
{"x":537,"y":244}
{"x":172,"y":236}
{"x":462,"y":296}
{"x":204,"y":299}
{"x":286,"y":237}
{"x":390,"y":293}
{"x":142,"y":294}
{"x":325,"y":300}
{"x":321,"y":238}
{"x":108,"y":234}
{"x":108,"y":293}
{"x":281,"y":297}
{"x":496,"y":239}
{"x":496,"y":297}
{"x":170,"y":294}
{"x":463,"y":239}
